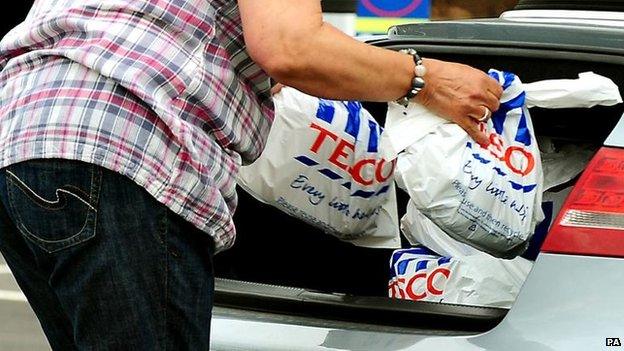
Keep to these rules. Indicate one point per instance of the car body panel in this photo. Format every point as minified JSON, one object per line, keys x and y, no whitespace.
{"x":616,"y":138}
{"x":601,"y":18}
{"x":567,"y":303}
{"x":516,"y":33}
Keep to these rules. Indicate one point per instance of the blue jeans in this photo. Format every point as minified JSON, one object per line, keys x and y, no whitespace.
{"x":102,"y":263}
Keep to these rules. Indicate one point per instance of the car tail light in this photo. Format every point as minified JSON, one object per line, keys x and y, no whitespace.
{"x":591,"y":221}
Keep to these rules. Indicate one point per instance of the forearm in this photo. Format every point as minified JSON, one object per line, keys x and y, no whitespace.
{"x":336,"y":66}
{"x":290,"y":41}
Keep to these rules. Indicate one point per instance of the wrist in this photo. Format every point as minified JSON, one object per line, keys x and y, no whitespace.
{"x":431,"y":66}
{"x":417,"y":74}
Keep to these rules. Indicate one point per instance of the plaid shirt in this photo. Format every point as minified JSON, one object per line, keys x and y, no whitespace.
{"x":162,"y":91}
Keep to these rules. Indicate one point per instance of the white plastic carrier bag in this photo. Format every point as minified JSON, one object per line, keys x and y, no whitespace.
{"x":419,"y":274}
{"x":322,"y":165}
{"x":428,"y":172}
{"x":561,"y":164}
{"x":487,"y":197}
{"x":420,"y":230}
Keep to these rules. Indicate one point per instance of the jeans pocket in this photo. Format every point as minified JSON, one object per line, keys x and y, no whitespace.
{"x":54,"y":202}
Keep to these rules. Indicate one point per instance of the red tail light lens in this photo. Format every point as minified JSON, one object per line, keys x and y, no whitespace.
{"x":591,"y":221}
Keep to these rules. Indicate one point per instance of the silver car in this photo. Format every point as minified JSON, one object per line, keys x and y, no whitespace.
{"x":286,"y":286}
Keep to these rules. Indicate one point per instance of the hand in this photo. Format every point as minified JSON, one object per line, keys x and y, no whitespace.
{"x":276,"y":88}
{"x":460,"y":94}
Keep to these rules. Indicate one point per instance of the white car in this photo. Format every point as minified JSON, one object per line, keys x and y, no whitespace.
{"x":286,"y":286}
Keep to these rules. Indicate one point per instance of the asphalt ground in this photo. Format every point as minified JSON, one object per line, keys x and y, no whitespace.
{"x":19,"y":328}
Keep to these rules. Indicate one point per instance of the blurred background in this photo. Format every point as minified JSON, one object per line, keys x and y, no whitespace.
{"x":375,"y":16}
{"x":354,"y":16}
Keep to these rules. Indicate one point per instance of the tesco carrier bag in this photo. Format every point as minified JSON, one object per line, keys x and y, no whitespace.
{"x":560,"y":164}
{"x":488,"y":197}
{"x":419,"y":274}
{"x":322,"y":165}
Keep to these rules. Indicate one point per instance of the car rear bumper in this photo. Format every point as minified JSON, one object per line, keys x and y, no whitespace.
{"x":567,"y":303}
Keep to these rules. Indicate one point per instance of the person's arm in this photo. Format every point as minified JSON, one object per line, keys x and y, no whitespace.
{"x":290,"y":41}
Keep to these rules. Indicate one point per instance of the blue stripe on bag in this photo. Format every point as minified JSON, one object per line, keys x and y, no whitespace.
{"x":373,"y":140}
{"x":523,"y":135}
{"x":524,"y":188}
{"x":383,"y":190}
{"x":480,"y":159}
{"x":516,"y":102}
{"x":353,"y":120}
{"x":494,"y":74}
{"x":306,"y":160}
{"x":363,"y":194}
{"x":402,"y":267}
{"x":498,"y":118}
{"x":421,"y":265}
{"x":442,"y":260}
{"x":330,"y":174}
{"x":396,"y":255}
{"x":325,"y":111}
{"x":499,"y":171}
{"x":509,"y":78}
